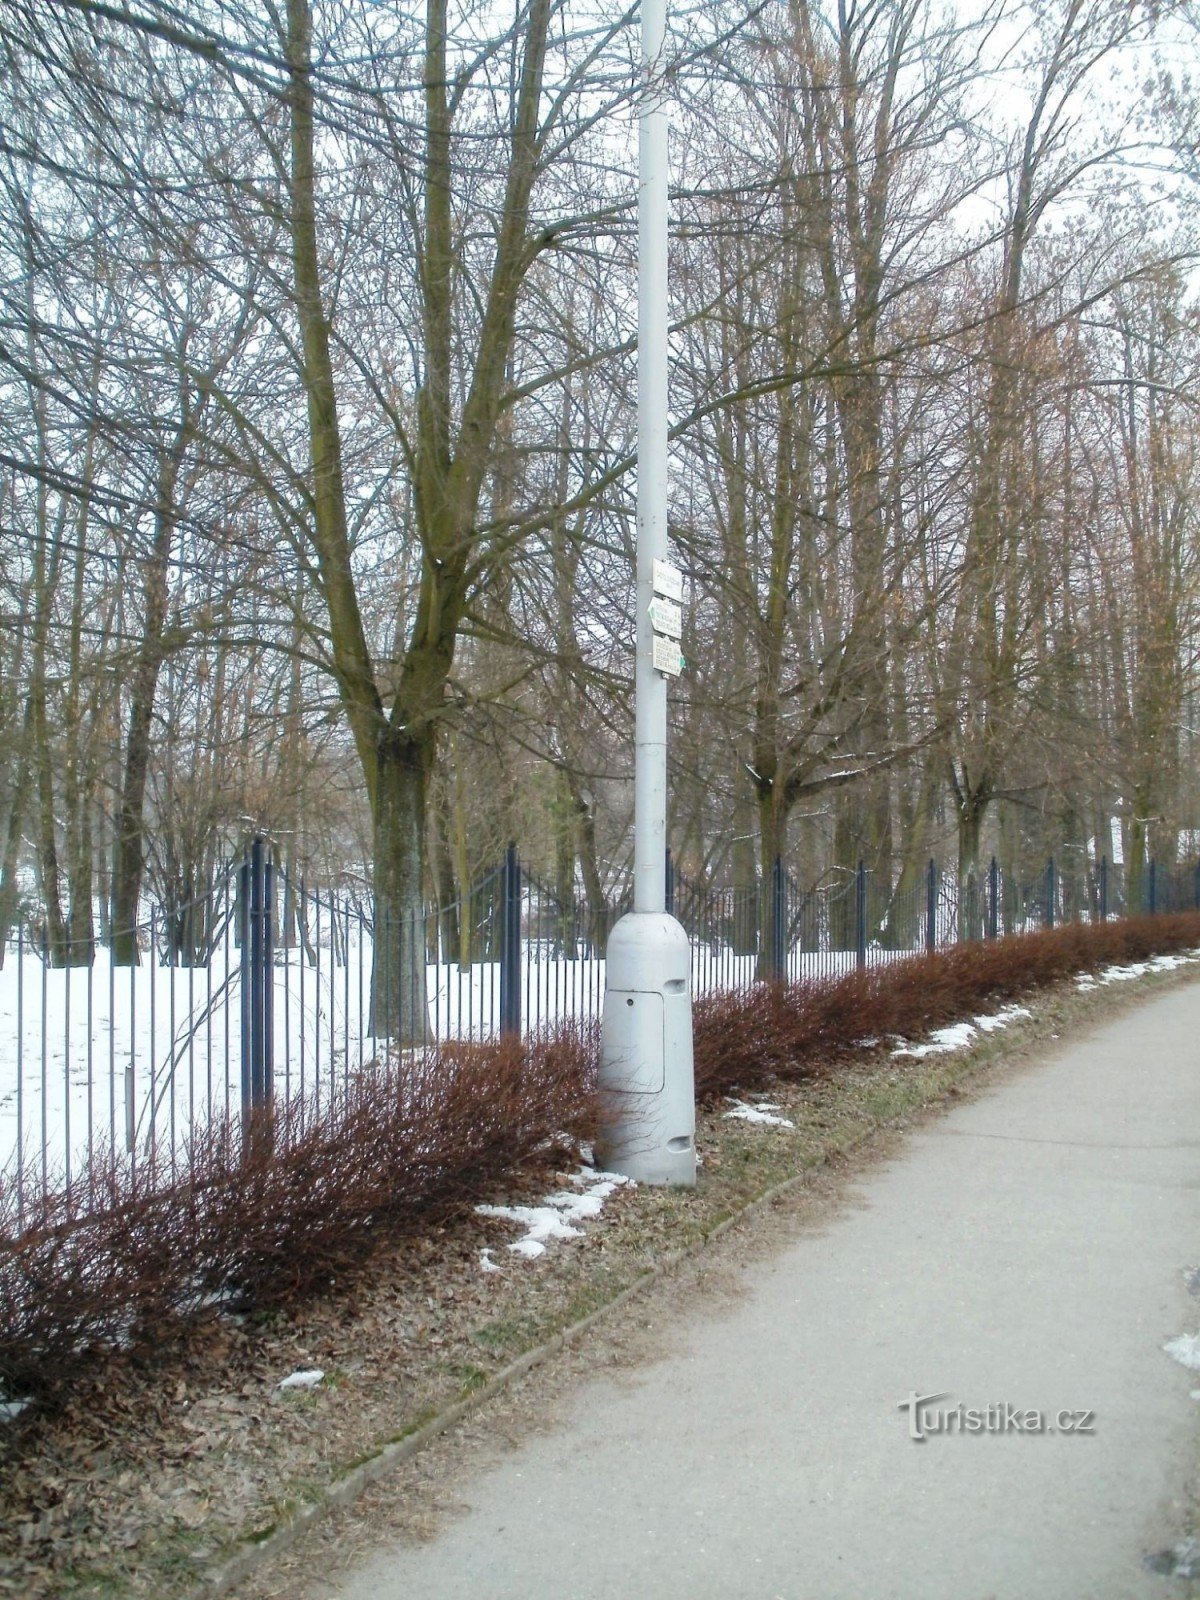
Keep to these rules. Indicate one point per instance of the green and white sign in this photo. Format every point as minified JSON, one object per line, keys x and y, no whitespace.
{"x":668,"y":658}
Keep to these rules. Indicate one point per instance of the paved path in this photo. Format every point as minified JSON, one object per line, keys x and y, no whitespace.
{"x":1029,"y":1249}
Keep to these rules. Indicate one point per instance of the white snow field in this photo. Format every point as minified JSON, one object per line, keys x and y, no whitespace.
{"x":132,"y":1057}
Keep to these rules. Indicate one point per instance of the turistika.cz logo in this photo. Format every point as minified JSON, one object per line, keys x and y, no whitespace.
{"x":926,"y":1418}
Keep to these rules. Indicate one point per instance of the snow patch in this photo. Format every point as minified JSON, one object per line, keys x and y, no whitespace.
{"x":303,"y":1378}
{"x":1177,"y":1561}
{"x":1186,"y":1350}
{"x":531,"y":1247}
{"x":764,"y":1113}
{"x":1002,"y":1018}
{"x":558,"y":1214}
{"x":940,"y":1042}
{"x":1135,"y":969}
{"x":486,"y":1264}
{"x":10,"y":1410}
{"x":960,"y":1034}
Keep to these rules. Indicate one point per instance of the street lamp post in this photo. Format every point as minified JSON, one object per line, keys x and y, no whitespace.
{"x":646,"y":1076}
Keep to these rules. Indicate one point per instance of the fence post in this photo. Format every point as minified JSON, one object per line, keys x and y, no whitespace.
{"x":931,"y":906}
{"x":778,"y":921}
{"x":1050,"y":892}
{"x":1152,"y":888}
{"x":670,"y":884}
{"x":1104,"y":887}
{"x":247,"y":980}
{"x":993,"y":899}
{"x":267,"y":969}
{"x":255,"y":883}
{"x":860,"y":916}
{"x":510,"y":946}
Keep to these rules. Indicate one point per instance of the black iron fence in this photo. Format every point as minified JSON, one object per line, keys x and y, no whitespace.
{"x":269,"y":988}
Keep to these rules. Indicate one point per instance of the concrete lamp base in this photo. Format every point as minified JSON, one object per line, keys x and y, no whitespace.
{"x":646,"y":1078}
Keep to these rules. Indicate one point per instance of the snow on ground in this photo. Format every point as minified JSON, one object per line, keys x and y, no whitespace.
{"x":763,"y":1112}
{"x":1001,"y":1018}
{"x":1186,"y":1350}
{"x":942,"y":1040}
{"x":1135,"y":969}
{"x":131,"y":1058}
{"x":558,"y":1214}
{"x":304,"y":1378}
{"x":960,"y":1034}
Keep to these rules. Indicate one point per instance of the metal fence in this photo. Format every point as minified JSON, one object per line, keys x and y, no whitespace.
{"x":268,"y":988}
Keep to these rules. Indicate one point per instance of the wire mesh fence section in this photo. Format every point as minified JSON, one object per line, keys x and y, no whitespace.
{"x":725,"y":930}
{"x":267,"y":989}
{"x":98,"y":1058}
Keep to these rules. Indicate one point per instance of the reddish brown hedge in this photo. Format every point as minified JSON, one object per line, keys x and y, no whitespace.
{"x":792,"y":1030}
{"x":132,"y":1253}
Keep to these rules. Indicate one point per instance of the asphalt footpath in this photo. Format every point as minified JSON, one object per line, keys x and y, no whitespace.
{"x":1023,"y":1258}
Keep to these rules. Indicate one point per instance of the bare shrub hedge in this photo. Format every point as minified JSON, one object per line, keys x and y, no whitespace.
{"x":793,"y":1030}
{"x":131,"y":1254}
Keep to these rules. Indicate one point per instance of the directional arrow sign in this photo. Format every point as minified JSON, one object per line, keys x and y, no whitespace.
{"x":667,"y":617}
{"x":667,"y":657}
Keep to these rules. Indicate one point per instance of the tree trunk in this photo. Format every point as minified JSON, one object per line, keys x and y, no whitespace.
{"x":462,"y":870}
{"x":54,"y":932}
{"x":906,"y":914}
{"x":12,"y":839}
{"x":1137,"y":855}
{"x":399,"y":999}
{"x":1010,"y":866}
{"x":81,"y":937}
{"x":449,"y":910}
{"x":847,"y":850}
{"x":130,"y":864}
{"x":564,"y":870}
{"x":747,"y":886}
{"x":971,"y":803}
{"x":772,"y":834}
{"x":589,"y":865}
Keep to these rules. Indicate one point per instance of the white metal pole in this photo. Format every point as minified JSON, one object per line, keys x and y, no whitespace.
{"x":650,"y":730}
{"x":646,"y":1078}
